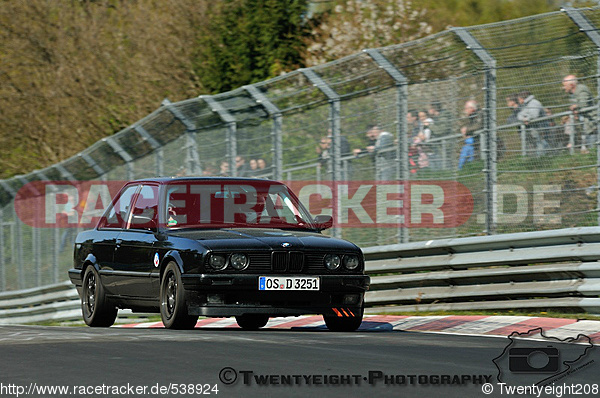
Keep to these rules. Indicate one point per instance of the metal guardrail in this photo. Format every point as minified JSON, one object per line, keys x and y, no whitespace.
{"x":557,"y":269}
{"x":538,"y":270}
{"x":52,"y":303}
{"x":56,"y":302}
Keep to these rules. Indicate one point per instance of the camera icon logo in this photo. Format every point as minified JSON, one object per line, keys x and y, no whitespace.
{"x":533,"y":359}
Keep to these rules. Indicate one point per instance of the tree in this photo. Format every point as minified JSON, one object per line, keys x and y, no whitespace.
{"x":248,"y":41}
{"x":352,"y":25}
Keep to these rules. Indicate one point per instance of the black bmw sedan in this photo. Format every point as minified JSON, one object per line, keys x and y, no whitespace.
{"x":216,"y":247}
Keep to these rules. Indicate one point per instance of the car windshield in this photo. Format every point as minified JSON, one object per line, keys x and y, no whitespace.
{"x":247,"y":204}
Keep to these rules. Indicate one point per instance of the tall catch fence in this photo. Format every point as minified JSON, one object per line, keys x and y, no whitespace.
{"x":304,"y":125}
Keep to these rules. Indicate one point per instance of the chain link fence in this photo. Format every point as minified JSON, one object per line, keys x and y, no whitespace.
{"x":450,"y":103}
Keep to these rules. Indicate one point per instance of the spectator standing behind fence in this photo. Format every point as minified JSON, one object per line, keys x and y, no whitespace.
{"x":380,"y":140}
{"x":241,"y":166}
{"x":585,"y":120}
{"x":568,"y":136}
{"x":555,"y":133}
{"x":472,"y":124}
{"x":512,"y":102}
{"x":467,"y":152}
{"x":425,"y":126}
{"x":532,"y":109}
{"x":412,"y":121}
{"x":324,"y":150}
{"x":441,"y":119}
{"x":224,"y":168}
{"x":253,"y":170}
{"x":262,"y":166}
{"x":424,"y":151}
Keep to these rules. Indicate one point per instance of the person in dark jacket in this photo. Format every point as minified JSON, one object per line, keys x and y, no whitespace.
{"x":473,"y":125}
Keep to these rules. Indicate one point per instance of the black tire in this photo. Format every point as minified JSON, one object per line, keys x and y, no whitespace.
{"x":173,"y":308}
{"x":339,"y":324}
{"x":96,"y":308}
{"x":252,"y":321}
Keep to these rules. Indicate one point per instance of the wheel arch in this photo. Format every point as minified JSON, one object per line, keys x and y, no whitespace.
{"x":170,"y":256}
{"x":90,"y":260}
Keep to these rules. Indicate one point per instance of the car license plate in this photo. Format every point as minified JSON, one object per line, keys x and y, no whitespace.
{"x":288,"y":283}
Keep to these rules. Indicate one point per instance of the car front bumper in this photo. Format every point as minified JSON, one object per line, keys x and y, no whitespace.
{"x":235,"y":294}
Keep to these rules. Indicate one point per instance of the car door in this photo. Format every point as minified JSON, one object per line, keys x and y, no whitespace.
{"x":111,"y":224}
{"x":135,"y":246}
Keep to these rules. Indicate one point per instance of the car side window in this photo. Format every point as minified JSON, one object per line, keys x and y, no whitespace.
{"x":145,"y":210}
{"x":116,"y":215}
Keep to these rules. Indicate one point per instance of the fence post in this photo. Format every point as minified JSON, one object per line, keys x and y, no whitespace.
{"x":17,"y":239}
{"x":231,"y":123}
{"x":56,"y":231}
{"x":489,"y":125}
{"x":402,"y":169}
{"x":587,"y":27}
{"x":19,"y":254}
{"x":35,"y":232}
{"x":192,"y":160}
{"x":13,"y":234}
{"x":276,"y":131}
{"x":334,"y":116}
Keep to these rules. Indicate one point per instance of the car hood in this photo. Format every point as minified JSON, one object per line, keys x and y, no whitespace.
{"x":264,"y":239}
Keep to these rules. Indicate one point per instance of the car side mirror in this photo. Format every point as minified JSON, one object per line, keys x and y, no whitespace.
{"x":323,"y":222}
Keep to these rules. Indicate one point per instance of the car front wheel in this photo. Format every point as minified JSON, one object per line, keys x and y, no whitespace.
{"x":97,"y":310}
{"x":173,"y":309}
{"x":343,"y":324}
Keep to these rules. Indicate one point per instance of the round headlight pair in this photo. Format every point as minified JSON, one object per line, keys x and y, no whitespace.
{"x":333,"y":262}
{"x":218,"y":262}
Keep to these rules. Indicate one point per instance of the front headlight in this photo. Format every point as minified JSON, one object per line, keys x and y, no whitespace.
{"x":217,"y":262}
{"x":332,"y":262}
{"x":351,"y":262}
{"x":239,"y":261}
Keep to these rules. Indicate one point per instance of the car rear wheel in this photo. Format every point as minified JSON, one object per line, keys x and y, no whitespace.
{"x":96,"y":308}
{"x":252,"y":321}
{"x":173,"y":308}
{"x":343,"y":324}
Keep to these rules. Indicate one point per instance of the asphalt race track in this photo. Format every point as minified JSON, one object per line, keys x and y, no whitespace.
{"x":295,"y":362}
